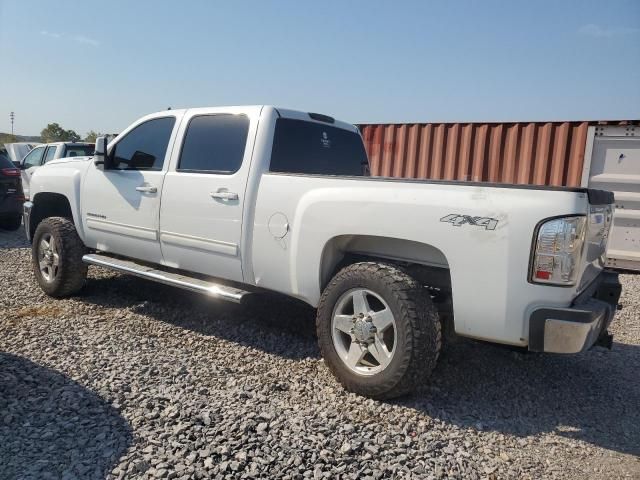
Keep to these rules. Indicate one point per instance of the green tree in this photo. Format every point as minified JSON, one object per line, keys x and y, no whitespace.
{"x":55,"y":133}
{"x":91,"y":136}
{"x":72,"y":136}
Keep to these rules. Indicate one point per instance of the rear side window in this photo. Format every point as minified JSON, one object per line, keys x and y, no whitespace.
{"x":315,"y":148}
{"x":144,"y":147}
{"x":214,"y":144}
{"x":51,"y":152}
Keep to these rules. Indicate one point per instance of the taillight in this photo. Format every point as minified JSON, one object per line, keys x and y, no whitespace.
{"x":10,"y":172}
{"x":557,"y":251}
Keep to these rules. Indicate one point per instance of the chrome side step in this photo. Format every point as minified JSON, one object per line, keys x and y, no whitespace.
{"x":131,"y":267}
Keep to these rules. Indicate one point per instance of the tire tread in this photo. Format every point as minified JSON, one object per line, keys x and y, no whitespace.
{"x":74,"y":271}
{"x":423,"y":339}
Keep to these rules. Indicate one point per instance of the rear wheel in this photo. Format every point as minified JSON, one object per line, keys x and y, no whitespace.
{"x":57,"y":252}
{"x":11,"y":224}
{"x":378,"y":330}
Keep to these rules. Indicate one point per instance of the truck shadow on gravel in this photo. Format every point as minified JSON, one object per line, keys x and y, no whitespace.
{"x":593,"y":397}
{"x":52,"y":427}
{"x":271,"y":323}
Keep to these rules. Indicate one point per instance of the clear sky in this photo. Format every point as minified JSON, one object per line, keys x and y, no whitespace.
{"x":100,"y":65}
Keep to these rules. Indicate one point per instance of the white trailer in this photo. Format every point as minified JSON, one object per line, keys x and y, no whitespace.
{"x":612,"y":162}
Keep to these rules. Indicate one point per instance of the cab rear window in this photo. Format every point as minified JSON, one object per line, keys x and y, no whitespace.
{"x":79,"y":150}
{"x":318,"y":149}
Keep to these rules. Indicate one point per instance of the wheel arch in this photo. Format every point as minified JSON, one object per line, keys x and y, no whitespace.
{"x":344,"y":250}
{"x":49,"y":204}
{"x":424,"y":262}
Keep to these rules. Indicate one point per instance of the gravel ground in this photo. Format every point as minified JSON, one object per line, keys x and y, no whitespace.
{"x":135,"y":380}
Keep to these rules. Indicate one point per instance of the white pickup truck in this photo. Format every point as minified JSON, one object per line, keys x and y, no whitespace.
{"x":233,"y":201}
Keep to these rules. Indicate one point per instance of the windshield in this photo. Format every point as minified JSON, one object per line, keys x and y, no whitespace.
{"x":79,"y":150}
{"x":316,"y":148}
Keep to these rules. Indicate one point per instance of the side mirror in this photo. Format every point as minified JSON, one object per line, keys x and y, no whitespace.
{"x":17,"y":164}
{"x":100,"y":154}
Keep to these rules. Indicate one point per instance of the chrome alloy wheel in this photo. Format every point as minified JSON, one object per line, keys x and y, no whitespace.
{"x":363,"y":331}
{"x":48,"y":257}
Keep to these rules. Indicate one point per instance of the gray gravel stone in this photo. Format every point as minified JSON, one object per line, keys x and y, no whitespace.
{"x":135,"y":380}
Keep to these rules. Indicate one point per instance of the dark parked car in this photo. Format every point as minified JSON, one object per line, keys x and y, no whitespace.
{"x":11,"y":195}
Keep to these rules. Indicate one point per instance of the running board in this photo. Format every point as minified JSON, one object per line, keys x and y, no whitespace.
{"x":198,"y":285}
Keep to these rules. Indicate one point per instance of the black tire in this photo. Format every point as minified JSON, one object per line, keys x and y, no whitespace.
{"x":11,"y":224}
{"x":418,"y":330}
{"x":71,"y":273}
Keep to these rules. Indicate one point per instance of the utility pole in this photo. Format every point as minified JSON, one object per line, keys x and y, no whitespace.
{"x":12,"y":116}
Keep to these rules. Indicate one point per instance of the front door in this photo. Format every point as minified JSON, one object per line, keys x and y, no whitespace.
{"x":204,"y":192}
{"x":120,"y":205}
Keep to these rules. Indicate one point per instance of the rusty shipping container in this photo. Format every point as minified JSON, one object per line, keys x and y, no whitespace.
{"x":603,"y":155}
{"x":539,"y":153}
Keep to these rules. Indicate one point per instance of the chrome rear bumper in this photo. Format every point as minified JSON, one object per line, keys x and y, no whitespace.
{"x":580,"y":326}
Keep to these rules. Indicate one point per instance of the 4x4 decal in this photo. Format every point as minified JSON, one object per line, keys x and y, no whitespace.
{"x":457,"y":220}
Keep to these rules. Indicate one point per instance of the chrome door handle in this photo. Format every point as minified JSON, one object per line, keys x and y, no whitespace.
{"x":224,"y":195}
{"x":147,"y":189}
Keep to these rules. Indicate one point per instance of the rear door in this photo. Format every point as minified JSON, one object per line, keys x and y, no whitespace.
{"x":204,"y":192}
{"x":120,"y":206}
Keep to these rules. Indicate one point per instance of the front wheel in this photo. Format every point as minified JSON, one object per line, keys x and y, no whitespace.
{"x":378,"y":330}
{"x":57,"y":252}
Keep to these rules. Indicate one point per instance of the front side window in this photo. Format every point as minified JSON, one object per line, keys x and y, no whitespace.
{"x":144,"y":147}
{"x":51,"y":152}
{"x":315,"y":148}
{"x":214,"y":144}
{"x":34,"y":158}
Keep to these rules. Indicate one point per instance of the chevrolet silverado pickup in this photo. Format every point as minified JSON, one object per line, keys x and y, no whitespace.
{"x":233,"y":201}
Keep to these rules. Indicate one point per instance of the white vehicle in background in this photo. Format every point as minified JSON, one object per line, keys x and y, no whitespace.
{"x":236,"y":200}
{"x":46,"y":152}
{"x":17,"y":151}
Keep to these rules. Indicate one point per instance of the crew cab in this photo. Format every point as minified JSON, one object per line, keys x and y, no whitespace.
{"x":237,"y":200}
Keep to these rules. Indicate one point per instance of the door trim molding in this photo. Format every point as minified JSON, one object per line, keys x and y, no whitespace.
{"x":121,"y":228}
{"x":199,"y":243}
